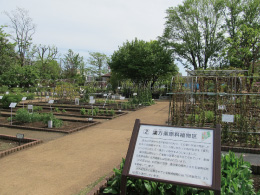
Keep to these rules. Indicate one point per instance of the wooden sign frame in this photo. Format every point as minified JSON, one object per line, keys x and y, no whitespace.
{"x":216,"y":161}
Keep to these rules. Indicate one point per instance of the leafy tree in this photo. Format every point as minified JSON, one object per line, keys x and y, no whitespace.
{"x":142,"y":61}
{"x":7,"y":52}
{"x":194,"y":32}
{"x":73,"y":64}
{"x":99,"y":61}
{"x":20,"y":76}
{"x":243,"y":26}
{"x":24,"y":29}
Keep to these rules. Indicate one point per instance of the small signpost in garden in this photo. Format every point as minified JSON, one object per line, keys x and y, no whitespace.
{"x":175,"y":155}
{"x":134,"y":94}
{"x":20,"y":137}
{"x":12,"y":105}
{"x":7,"y":92}
{"x":76,"y":101}
{"x":47,"y":98}
{"x":51,"y":102}
{"x":1,"y":97}
{"x":228,"y":118}
{"x":23,"y":99}
{"x":30,"y":109}
{"x":92,"y":101}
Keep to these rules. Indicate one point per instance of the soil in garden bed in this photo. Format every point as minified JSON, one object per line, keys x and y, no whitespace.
{"x":66,"y":127}
{"x":7,"y":144}
{"x":256,"y":179}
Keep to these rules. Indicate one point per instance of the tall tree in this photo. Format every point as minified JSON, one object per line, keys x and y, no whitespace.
{"x":99,"y":61}
{"x":7,"y":52}
{"x":24,"y":28}
{"x":142,"y":61}
{"x":194,"y":33}
{"x":243,"y":25}
{"x":73,"y":64}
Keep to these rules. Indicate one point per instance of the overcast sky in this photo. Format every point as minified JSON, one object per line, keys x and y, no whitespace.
{"x":92,"y":25}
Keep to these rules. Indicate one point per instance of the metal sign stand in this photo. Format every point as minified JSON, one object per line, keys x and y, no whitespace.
{"x":12,"y":105}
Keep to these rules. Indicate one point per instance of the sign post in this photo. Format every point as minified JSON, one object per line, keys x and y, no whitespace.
{"x":175,"y":155}
{"x":92,"y":101}
{"x":12,"y":105}
{"x":20,"y":137}
{"x":51,"y":102}
{"x":23,"y":99}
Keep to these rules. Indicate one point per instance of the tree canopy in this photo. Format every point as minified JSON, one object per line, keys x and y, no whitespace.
{"x":193,"y":32}
{"x":142,"y":61}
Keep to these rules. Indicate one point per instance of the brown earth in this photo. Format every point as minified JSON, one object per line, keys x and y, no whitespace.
{"x":70,"y":163}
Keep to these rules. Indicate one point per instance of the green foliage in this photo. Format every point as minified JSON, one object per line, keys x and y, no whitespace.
{"x":83,"y":111}
{"x":99,"y":62}
{"x":8,"y":99}
{"x":235,"y":179}
{"x":19,"y":76}
{"x":3,"y":89}
{"x":142,"y":61}
{"x":8,"y":56}
{"x":56,"y":110}
{"x":112,"y":112}
{"x":193,"y":32}
{"x":63,"y":111}
{"x":50,"y":117}
{"x":37,"y":108}
{"x":235,"y":175}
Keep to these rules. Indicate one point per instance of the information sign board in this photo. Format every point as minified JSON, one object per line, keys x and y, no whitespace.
{"x":30,"y":107}
{"x":134,"y":94}
{"x":222,"y":107}
{"x":51,"y":101}
{"x":105,"y":95}
{"x":24,"y":98}
{"x":122,"y":98}
{"x":12,"y":105}
{"x":91,"y":97}
{"x":92,"y":101}
{"x":7,"y":92}
{"x":227,"y":118}
{"x":177,"y":155}
{"x":1,"y":97}
{"x":76,"y":101}
{"x":19,"y":136}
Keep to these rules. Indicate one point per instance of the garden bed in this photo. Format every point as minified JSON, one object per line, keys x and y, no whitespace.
{"x":11,"y":144}
{"x":69,"y":125}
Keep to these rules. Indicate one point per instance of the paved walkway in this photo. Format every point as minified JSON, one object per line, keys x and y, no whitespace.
{"x":70,"y":163}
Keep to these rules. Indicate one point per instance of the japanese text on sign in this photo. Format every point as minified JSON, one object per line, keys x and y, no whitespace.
{"x":176,"y":154}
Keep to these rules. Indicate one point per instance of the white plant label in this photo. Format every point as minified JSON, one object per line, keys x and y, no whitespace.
{"x":227,"y":118}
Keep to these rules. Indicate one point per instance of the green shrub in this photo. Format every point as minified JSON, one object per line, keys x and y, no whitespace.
{"x":57,"y":123}
{"x":8,"y":99}
{"x":89,"y":112}
{"x":23,"y":116}
{"x":101,"y":112}
{"x":37,"y":108}
{"x":63,"y":110}
{"x":83,"y":111}
{"x":3,"y":89}
{"x":30,"y":96}
{"x":112,"y":112}
{"x":50,"y":117}
{"x":56,"y":110}
{"x":209,"y":115}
